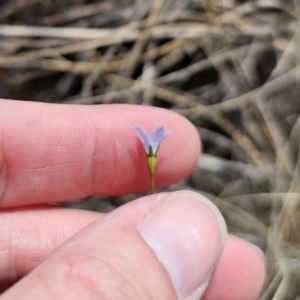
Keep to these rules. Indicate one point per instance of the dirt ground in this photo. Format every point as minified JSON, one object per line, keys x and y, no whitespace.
{"x":230,"y":67}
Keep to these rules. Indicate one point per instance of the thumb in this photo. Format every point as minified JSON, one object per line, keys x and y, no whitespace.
{"x":163,"y":246}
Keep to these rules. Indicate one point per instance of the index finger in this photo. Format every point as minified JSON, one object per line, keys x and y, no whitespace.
{"x":53,"y":152}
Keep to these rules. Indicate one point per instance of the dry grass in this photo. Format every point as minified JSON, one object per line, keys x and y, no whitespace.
{"x":231,"y":67}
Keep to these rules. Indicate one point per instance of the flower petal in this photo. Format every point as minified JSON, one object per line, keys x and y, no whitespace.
{"x":143,"y":136}
{"x":157,"y":133}
{"x":155,"y":137}
{"x":166,"y":134}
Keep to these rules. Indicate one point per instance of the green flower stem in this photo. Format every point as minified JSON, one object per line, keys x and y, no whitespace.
{"x":152,"y":184}
{"x":152,"y":161}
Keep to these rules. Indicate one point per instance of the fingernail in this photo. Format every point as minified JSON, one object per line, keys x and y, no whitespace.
{"x":187,"y":233}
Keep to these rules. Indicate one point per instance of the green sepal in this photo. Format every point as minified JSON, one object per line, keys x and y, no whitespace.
{"x":152,"y":161}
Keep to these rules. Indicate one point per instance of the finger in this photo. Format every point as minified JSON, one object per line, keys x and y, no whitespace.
{"x":29,"y":235}
{"x":153,"y":248}
{"x":240,"y":273}
{"x":52,"y":153}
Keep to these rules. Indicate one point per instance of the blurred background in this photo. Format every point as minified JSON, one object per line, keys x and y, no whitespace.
{"x":229,"y":66}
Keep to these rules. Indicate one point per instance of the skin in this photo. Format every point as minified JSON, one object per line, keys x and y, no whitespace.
{"x":55,"y":153}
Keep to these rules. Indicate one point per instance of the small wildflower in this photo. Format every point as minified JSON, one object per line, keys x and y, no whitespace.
{"x":151,"y":145}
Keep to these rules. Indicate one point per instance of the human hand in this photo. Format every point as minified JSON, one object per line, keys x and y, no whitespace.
{"x":151,"y":248}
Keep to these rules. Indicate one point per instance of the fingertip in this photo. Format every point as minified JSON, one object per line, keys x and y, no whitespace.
{"x":176,"y":158}
{"x":240,"y":273}
{"x":187,"y":234}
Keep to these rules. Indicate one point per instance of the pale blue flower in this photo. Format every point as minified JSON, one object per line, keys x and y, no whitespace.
{"x":151,"y":145}
{"x":151,"y":142}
